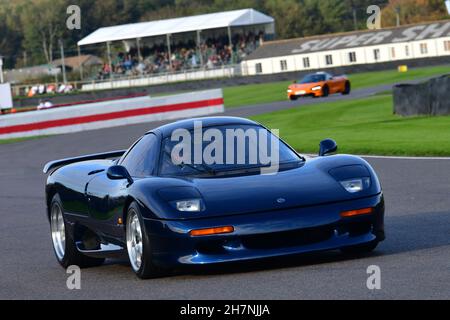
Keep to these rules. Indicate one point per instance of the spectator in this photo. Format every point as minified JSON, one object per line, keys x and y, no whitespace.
{"x":213,"y":52}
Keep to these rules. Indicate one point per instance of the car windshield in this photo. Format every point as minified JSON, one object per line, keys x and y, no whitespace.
{"x":222,"y":150}
{"x":311,"y":78}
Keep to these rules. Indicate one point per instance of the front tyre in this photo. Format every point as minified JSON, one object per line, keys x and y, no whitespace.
{"x":139,"y":247}
{"x":325,"y":91}
{"x":347,"y":88}
{"x":64,"y":246}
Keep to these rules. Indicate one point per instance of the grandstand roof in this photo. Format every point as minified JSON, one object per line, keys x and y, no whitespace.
{"x":235,"y":18}
{"x":347,"y":40}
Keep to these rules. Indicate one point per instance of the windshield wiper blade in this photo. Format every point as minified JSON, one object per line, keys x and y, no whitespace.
{"x":202,"y":168}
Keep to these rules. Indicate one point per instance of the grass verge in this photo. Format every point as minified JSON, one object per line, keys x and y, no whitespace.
{"x":361,"y":126}
{"x":13,"y":140}
{"x":276,"y":91}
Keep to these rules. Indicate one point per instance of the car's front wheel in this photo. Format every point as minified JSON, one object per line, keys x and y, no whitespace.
{"x":64,"y":246}
{"x":347,"y":88}
{"x":138,"y":245}
{"x":325,"y":91}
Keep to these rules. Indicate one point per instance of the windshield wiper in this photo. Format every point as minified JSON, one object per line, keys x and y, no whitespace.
{"x":202,"y":168}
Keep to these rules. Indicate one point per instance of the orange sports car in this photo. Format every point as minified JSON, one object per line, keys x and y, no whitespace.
{"x":319,"y":84}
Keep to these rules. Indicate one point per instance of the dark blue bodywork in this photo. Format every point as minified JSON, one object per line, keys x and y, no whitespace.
{"x":308,"y":219}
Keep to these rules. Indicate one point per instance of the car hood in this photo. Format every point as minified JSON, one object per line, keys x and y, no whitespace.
{"x":305,"y":86}
{"x":310,"y":184}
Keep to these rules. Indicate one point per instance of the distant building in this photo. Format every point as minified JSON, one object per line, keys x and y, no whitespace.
{"x":18,"y":75}
{"x":72,"y":64}
{"x":75,"y":63}
{"x":417,"y":41}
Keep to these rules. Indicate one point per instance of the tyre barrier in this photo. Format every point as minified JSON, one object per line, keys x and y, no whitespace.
{"x":107,"y":114}
{"x":428,"y":98}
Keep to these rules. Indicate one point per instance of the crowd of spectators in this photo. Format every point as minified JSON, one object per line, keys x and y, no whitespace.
{"x":185,"y":55}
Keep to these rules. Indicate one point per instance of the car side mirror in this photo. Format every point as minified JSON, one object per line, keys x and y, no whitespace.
{"x":117,"y":172}
{"x":327,"y":146}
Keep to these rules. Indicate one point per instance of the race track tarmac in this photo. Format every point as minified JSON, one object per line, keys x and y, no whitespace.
{"x":414,"y":260}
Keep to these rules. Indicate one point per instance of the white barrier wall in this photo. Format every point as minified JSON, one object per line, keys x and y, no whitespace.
{"x":161,"y":79}
{"x":6,"y":101}
{"x":110,"y":114}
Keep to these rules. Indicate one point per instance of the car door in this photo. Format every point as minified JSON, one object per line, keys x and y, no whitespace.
{"x":106,"y":197}
{"x":333,"y":83}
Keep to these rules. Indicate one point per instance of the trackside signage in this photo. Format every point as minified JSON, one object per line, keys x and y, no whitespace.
{"x":419,"y":32}
{"x":110,"y":114}
{"x":356,"y":39}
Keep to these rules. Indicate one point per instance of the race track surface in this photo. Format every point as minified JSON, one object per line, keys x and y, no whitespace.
{"x":414,"y":260}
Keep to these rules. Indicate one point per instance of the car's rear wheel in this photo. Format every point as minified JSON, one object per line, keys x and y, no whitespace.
{"x":138,"y":246}
{"x":347,"y":88}
{"x":325,"y":91}
{"x":64,"y":246}
{"x":361,"y":248}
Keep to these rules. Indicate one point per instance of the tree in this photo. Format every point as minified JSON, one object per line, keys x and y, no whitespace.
{"x":43,"y":23}
{"x":413,"y":11}
{"x":287,"y":15}
{"x":34,"y":26}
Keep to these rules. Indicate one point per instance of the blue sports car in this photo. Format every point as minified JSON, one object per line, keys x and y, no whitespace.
{"x":202,"y":191}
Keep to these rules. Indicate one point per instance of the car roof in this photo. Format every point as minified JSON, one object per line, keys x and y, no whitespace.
{"x":188,"y":124}
{"x":322,"y":73}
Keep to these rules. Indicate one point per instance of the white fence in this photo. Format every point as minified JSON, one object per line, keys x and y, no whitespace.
{"x":223,"y":72}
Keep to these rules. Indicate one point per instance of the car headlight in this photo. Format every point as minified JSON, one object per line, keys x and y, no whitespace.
{"x":316,"y":88}
{"x":193,"y":205}
{"x":289,"y":90}
{"x":356,"y":185}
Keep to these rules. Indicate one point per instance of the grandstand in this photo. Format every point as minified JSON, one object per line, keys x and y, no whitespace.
{"x":198,"y":42}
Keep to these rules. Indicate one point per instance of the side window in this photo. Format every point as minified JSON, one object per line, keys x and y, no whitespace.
{"x":141,"y":160}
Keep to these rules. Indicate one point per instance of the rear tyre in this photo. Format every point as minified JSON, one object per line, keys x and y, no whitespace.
{"x":64,"y":246}
{"x":347,"y":88}
{"x":361,"y":248}
{"x":325,"y":91}
{"x":139,"y":247}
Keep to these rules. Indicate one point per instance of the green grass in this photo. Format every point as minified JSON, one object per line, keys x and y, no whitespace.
{"x":13,"y":140}
{"x":362,"y":126}
{"x":276,"y":91}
